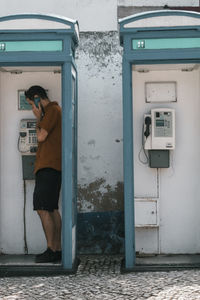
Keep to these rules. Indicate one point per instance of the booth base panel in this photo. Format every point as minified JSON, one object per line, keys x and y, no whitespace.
{"x":24,"y":265}
{"x":151,"y":263}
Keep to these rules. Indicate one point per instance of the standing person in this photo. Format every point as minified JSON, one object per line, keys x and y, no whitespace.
{"x":47,"y":170}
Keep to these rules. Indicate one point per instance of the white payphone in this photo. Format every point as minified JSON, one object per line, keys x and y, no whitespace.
{"x":159,"y":136}
{"x":27,"y":145}
{"x":28,"y":137}
{"x":159,"y":129}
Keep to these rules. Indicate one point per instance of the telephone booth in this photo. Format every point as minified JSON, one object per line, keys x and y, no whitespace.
{"x":161,"y":55}
{"x":36,"y":50}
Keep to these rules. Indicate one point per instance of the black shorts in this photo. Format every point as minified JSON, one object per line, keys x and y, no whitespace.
{"x":47,"y":189}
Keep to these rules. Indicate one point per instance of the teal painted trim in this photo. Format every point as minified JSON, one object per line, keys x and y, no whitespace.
{"x":8,"y":46}
{"x":157,"y":31}
{"x":67,"y":192}
{"x":158,"y":13}
{"x":33,"y":36}
{"x":128,"y":37}
{"x":28,"y":31}
{"x":163,"y":55}
{"x":29,"y":64}
{"x":53,"y":18}
{"x":67,"y":42}
{"x":166,"y":43}
{"x":128,"y":166}
{"x":74,"y":65}
{"x":76,"y":158}
{"x":167,"y":33}
{"x":34,"y":57}
{"x":73,"y":30}
{"x":157,"y":62}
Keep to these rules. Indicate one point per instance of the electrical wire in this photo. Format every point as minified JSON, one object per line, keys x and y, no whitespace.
{"x":172,"y":164}
{"x":24,"y":220}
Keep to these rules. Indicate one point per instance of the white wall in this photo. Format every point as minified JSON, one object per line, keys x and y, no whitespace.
{"x":11,"y":183}
{"x":100,"y":121}
{"x":158,"y":2}
{"x":92,"y":15}
{"x":179,"y":185}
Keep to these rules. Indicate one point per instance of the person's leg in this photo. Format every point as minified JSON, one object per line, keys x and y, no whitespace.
{"x":57,"y":229}
{"x":48,"y":225}
{"x":51,"y":223}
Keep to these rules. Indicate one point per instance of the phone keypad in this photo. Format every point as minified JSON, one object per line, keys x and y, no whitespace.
{"x":32,"y":138}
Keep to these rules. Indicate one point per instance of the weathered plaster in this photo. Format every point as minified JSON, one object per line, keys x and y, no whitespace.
{"x":100,"y":165}
{"x":99,"y":51}
{"x":125,"y":11}
{"x":100,"y":196}
{"x":101,"y":232}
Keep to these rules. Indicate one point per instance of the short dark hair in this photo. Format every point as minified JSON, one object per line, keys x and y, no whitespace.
{"x":36,"y":90}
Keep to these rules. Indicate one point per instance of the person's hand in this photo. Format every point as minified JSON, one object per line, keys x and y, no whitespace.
{"x":37,"y":111}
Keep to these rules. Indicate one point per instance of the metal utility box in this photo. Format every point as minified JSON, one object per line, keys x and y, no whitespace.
{"x":159,"y":158}
{"x":28,"y":167}
{"x":146,"y":212}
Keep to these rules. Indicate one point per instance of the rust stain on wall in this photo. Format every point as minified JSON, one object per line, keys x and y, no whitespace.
{"x":99,"y":196}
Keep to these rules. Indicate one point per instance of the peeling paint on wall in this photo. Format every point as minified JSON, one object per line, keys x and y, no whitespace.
{"x":102,"y":50}
{"x":100,"y":196}
{"x":101,"y":233}
{"x":100,"y":157}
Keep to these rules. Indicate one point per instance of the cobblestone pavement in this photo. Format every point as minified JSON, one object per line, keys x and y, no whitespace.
{"x":100,"y":278}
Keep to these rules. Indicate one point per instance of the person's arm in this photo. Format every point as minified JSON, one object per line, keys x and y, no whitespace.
{"x":47,"y":124}
{"x":41,"y":132}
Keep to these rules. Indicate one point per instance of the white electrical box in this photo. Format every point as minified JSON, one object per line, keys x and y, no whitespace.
{"x":159,"y":129}
{"x":146,"y":213}
{"x":160,"y":92}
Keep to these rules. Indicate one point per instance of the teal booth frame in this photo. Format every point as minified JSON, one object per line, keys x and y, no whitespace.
{"x":51,"y":47}
{"x":148,"y":45}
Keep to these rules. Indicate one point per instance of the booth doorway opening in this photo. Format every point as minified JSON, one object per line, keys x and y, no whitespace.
{"x":166,"y":202}
{"x":20,"y":227}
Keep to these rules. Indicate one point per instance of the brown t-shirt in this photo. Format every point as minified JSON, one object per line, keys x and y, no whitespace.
{"x":49,"y":152}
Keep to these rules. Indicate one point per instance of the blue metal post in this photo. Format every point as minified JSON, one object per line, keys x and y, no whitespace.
{"x":67,"y":262}
{"x":76,"y":150}
{"x":128,"y":165}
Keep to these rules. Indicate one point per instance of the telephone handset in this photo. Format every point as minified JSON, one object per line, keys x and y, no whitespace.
{"x":36,"y":101}
{"x":147,"y":122}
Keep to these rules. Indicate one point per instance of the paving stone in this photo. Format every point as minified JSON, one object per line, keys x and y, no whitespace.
{"x":99,"y":277}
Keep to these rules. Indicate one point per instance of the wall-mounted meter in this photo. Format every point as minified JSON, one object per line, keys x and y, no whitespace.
{"x":27,"y":145}
{"x":159,"y":136}
{"x":159,"y":129}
